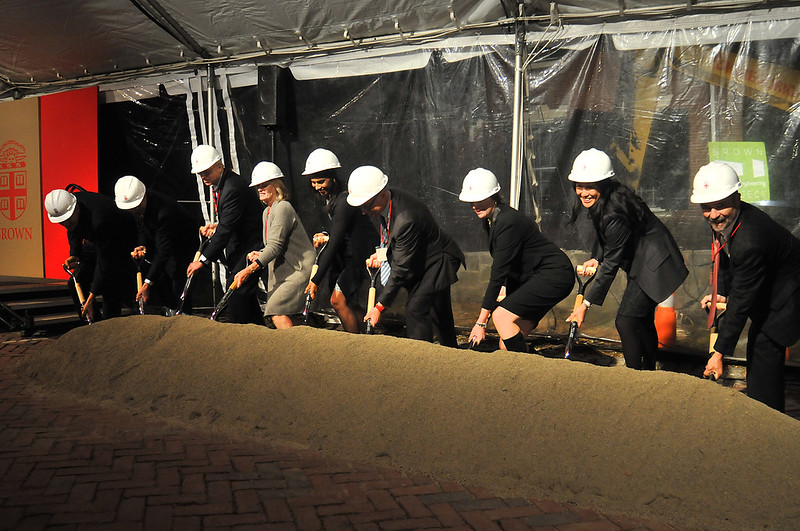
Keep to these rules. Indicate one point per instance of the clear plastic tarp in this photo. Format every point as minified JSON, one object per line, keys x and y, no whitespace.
{"x":660,"y":103}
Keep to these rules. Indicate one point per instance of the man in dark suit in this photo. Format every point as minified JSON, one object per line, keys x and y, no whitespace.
{"x":100,"y":239}
{"x":423,"y":258}
{"x":237,"y":231}
{"x":167,"y":238}
{"x":758,"y":263}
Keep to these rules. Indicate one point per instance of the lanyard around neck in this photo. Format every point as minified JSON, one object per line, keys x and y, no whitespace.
{"x":385,"y":239}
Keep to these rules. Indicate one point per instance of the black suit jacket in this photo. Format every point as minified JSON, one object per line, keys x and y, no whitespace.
{"x":519,"y":250}
{"x":113,"y":233}
{"x":169,"y":233}
{"x":239,"y":221}
{"x":421,"y":254}
{"x":353,"y":239}
{"x":761,"y":280}
{"x":650,"y":257}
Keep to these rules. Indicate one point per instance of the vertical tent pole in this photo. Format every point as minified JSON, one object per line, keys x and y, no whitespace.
{"x":210,"y":110}
{"x":516,"y":128}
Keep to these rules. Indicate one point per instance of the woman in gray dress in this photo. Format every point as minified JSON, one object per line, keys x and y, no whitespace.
{"x":288,"y":254}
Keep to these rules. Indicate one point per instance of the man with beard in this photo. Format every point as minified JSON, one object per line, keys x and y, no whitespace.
{"x":351,"y":239}
{"x":756,"y":267}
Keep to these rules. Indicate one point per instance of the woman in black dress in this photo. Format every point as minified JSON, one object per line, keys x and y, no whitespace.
{"x":536,"y":274}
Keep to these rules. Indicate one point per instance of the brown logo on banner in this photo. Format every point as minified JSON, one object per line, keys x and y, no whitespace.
{"x":13,"y":180}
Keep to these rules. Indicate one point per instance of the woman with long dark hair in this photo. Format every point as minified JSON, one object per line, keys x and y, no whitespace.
{"x":631,"y":238}
{"x":536,"y":274}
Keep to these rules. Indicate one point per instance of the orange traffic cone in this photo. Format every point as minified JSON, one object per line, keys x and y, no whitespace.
{"x":666,"y":322}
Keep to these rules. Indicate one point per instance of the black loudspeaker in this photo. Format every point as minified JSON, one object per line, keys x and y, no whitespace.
{"x":273,"y":92}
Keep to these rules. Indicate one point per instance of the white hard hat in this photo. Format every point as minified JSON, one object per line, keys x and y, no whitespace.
{"x":713,"y":182}
{"x":365,"y":182}
{"x":60,"y":205}
{"x":478,"y":185}
{"x":265,"y":172}
{"x":129,"y":192}
{"x":320,"y":160}
{"x":203,"y":157}
{"x":591,"y":166}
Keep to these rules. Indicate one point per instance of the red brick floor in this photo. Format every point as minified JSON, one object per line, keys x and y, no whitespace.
{"x":79,"y":466}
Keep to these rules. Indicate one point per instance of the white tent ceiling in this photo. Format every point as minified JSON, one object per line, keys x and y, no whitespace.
{"x":51,"y":45}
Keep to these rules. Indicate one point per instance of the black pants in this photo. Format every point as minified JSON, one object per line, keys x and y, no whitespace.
{"x":635,"y":323}
{"x":428,"y":309}
{"x":765,"y":369}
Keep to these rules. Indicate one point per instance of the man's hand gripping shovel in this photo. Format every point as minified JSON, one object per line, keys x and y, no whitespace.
{"x":373,"y":278}
{"x":139,"y":257}
{"x":573,"y":325}
{"x":713,"y":333}
{"x":203,"y":242}
{"x":79,"y":291}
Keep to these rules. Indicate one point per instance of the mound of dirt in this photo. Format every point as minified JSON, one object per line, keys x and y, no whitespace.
{"x":657,"y":445}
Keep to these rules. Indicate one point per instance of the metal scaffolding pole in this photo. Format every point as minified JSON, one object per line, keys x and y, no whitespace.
{"x":516,"y":128}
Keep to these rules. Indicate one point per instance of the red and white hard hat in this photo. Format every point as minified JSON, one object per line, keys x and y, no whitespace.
{"x":265,"y":172}
{"x":478,"y":185}
{"x":129,"y":192}
{"x":591,"y":166}
{"x":713,"y":182}
{"x":60,"y":205}
{"x":365,"y":183}
{"x":320,"y":160}
{"x":203,"y":157}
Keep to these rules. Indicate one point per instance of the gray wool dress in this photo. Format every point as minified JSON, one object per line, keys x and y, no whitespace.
{"x":288,"y":256}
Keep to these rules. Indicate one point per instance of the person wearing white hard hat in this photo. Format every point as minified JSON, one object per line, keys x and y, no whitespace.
{"x":629,"y":237}
{"x":536,"y":274}
{"x":237,"y":231}
{"x":757,"y":264}
{"x":287,"y":254}
{"x":100,"y":238}
{"x":423,"y":258}
{"x":348,"y":239}
{"x":167,"y":240}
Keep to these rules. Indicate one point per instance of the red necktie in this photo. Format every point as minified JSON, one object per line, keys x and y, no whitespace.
{"x":716,"y":248}
{"x":216,"y":198}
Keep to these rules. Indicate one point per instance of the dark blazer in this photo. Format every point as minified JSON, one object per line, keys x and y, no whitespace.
{"x":761,"y":279}
{"x":169,"y":233}
{"x":113,"y":233}
{"x":421,"y":254}
{"x":353,"y":238}
{"x":651,"y":258}
{"x":518,"y":252}
{"x":239,"y":221}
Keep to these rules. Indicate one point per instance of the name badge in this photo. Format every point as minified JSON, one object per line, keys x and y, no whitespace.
{"x":380,"y":252}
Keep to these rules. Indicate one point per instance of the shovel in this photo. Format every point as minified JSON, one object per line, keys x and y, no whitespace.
{"x":714,"y":333}
{"x":224,"y":300}
{"x":373,"y":277}
{"x":314,"y":269}
{"x":139,"y":281}
{"x":573,"y":326}
{"x":78,"y":290}
{"x":190,"y":277}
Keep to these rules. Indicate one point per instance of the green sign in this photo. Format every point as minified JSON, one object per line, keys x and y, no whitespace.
{"x":749,"y":159}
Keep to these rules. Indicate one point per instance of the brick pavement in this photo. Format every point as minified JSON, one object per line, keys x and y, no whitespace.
{"x":76,"y":465}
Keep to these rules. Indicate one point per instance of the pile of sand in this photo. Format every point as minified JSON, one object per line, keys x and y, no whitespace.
{"x":658,"y":445}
